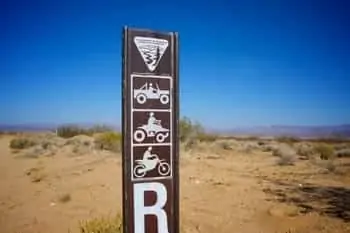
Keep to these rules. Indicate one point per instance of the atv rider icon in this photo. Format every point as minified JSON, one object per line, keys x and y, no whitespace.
{"x":152,"y":121}
{"x":149,"y":163}
{"x":152,"y":128}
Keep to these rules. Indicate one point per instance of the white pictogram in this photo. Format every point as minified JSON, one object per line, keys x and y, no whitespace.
{"x":149,"y":162}
{"x":151,"y":50}
{"x":153,"y":128}
{"x":147,"y":91}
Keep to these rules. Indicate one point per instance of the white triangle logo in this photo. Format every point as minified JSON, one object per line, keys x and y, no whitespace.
{"x":151,"y":50}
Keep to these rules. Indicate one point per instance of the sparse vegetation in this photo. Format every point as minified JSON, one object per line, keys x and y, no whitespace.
{"x":102,"y":225}
{"x":213,"y":161}
{"x":287,"y":139}
{"x":100,"y":129}
{"x":109,"y":141}
{"x":22,"y":143}
{"x":305,"y":151}
{"x":286,"y":155}
{"x":226,"y":145}
{"x":71,"y":131}
{"x":203,"y":137}
{"x":68,"y":131}
{"x":343,"y":153}
{"x":192,"y":133}
{"x":325,"y":151}
{"x":330,"y":166}
{"x":189,"y":129}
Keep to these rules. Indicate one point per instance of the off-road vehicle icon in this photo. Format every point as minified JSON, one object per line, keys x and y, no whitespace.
{"x":148,"y":92}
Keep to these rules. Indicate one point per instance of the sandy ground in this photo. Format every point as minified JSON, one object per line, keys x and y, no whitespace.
{"x":221,"y":191}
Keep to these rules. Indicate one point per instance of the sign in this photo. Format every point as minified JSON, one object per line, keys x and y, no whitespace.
{"x":150,"y":108}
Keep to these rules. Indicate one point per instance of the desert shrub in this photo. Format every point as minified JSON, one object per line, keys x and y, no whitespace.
{"x":324,"y":150}
{"x":261,"y":143}
{"x":341,"y":146}
{"x":21,"y":143}
{"x":190,"y":143}
{"x":71,"y":131}
{"x":203,"y":137}
{"x":226,"y":145}
{"x":287,"y":139}
{"x":269,"y":147}
{"x":191,"y":132}
{"x":102,"y":225}
{"x":189,"y":129}
{"x":109,"y":141}
{"x":286,"y":159}
{"x":343,"y":153}
{"x":248,"y":146}
{"x":286,"y":155}
{"x":100,"y":129}
{"x":306,"y":151}
{"x":330,"y":166}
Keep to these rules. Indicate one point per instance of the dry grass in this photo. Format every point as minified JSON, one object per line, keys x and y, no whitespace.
{"x":102,"y":225}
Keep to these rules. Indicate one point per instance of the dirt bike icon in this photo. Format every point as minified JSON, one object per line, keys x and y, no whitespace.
{"x":149,"y":163}
{"x":152,"y":129}
{"x":147,"y":91}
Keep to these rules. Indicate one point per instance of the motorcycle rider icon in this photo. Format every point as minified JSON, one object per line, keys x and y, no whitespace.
{"x":149,"y":162}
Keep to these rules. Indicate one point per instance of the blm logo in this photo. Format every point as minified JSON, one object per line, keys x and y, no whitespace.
{"x":151,"y":50}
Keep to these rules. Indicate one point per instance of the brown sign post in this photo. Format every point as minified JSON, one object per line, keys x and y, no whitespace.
{"x":150,"y":109}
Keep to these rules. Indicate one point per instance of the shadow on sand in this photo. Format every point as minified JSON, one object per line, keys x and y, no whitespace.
{"x":325,"y":200}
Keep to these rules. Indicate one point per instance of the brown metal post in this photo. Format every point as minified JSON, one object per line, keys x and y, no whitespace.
{"x":150,"y":131}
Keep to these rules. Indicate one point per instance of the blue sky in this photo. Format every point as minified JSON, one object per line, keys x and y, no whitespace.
{"x":241,"y":62}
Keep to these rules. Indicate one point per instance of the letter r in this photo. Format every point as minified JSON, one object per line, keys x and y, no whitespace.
{"x":141,"y":210}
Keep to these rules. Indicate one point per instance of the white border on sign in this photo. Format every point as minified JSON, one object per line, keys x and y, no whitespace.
{"x":170,"y":176}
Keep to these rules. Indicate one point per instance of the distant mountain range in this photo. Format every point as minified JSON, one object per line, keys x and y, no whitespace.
{"x":262,"y":131}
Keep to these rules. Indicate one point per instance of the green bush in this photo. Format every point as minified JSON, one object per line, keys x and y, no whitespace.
{"x":69,"y":131}
{"x":324,"y":150}
{"x":21,"y":143}
{"x":102,"y":225}
{"x":189,"y":129}
{"x":109,"y":141}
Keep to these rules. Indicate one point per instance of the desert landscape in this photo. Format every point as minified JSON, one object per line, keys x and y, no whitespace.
{"x":71,"y":182}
